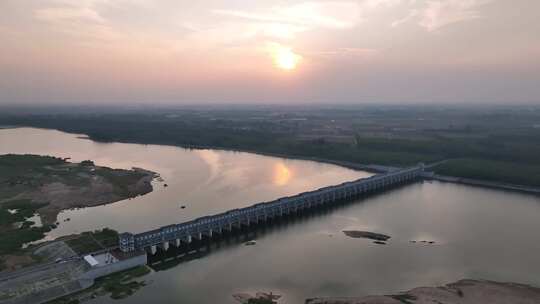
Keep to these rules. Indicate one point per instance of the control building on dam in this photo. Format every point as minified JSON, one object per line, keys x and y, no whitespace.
{"x":174,"y":235}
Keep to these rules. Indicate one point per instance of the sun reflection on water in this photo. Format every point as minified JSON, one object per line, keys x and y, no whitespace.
{"x":282,"y":174}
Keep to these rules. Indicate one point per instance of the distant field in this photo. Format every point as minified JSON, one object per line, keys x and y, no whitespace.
{"x":500,"y":137}
{"x":496,"y":171}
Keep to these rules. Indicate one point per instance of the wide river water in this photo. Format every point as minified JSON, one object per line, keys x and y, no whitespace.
{"x":477,"y":233}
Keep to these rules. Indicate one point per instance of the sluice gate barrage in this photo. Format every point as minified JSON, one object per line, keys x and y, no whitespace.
{"x":207,"y":225}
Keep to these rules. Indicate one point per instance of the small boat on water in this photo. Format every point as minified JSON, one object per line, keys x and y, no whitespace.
{"x":251,"y":243}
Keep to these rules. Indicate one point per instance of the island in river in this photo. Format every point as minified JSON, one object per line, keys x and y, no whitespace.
{"x":33,"y":185}
{"x":461,"y":292}
{"x":366,"y":235}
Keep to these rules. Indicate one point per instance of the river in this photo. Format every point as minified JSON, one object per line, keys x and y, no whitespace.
{"x":477,"y":233}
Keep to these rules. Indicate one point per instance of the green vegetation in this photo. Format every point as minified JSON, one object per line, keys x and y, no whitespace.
{"x":17,"y":211}
{"x":11,"y":242}
{"x":386,"y":135}
{"x":122,"y":284}
{"x":15,"y":230}
{"x":72,"y":184}
{"x":260,"y":301}
{"x":15,"y":164}
{"x":88,"y":242}
{"x":497,"y":171}
{"x":20,"y":173}
{"x":26,"y":176}
{"x":106,"y":237}
{"x":119,"y":285}
{"x":87,"y":163}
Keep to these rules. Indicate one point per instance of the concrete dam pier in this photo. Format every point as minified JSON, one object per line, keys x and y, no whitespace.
{"x":176,"y":234}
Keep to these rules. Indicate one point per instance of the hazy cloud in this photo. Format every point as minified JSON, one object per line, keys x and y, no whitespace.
{"x":353,"y":53}
{"x":441,"y":13}
{"x":286,"y":22}
{"x":219,"y":50}
{"x":307,"y":14}
{"x":437,"y":14}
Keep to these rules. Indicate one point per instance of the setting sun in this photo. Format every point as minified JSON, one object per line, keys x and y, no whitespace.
{"x":284,"y":57}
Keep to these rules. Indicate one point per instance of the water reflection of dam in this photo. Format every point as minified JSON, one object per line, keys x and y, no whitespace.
{"x":207,"y":226}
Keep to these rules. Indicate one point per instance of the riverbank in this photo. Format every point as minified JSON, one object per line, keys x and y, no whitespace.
{"x":483,"y":183}
{"x":461,"y":292}
{"x":58,"y":184}
{"x":373,"y":168}
{"x":341,"y":135}
{"x":34,"y":189}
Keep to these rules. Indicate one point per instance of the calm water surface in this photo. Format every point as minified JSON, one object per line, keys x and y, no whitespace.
{"x":205,"y":181}
{"x":478,"y":233}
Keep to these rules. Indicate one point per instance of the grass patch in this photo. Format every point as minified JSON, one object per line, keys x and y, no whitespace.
{"x":23,"y":208}
{"x":120,"y":179}
{"x":122,"y":290}
{"x":12,"y":241}
{"x":119,"y":285}
{"x":122,"y":284}
{"x":12,"y":238}
{"x":26,"y":170}
{"x":260,"y":301}
{"x":20,"y":162}
{"x":107,"y":237}
{"x":88,"y":242}
{"x":23,"y":173}
{"x":83,"y":244}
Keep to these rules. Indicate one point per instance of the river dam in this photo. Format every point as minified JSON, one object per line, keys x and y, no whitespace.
{"x":206,"y":226}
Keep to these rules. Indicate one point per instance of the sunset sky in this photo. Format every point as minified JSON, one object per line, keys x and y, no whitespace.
{"x":282,"y":52}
